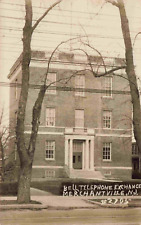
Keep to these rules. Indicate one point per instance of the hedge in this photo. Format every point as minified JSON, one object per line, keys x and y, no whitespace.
{"x":8,"y":188}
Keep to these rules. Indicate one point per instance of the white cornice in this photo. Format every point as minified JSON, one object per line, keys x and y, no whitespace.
{"x":115,"y":167}
{"x":113,"y":135}
{"x":13,"y":76}
{"x":46,"y":132}
{"x":47,"y":167}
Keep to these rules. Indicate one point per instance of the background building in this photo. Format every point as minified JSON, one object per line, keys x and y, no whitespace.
{"x":85,"y":125}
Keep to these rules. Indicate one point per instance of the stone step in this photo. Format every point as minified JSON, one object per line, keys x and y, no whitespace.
{"x":86,"y":174}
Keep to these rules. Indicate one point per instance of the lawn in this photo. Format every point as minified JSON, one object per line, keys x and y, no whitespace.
{"x":13,"y":202}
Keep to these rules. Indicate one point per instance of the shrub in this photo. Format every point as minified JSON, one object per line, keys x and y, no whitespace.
{"x":8,"y":188}
{"x":136,"y":175}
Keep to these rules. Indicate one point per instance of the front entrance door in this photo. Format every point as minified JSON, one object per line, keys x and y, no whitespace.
{"x":77,"y":154}
{"x":77,"y":160}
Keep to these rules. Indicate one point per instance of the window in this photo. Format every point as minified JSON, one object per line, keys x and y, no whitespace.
{"x":135,"y":149}
{"x":73,"y":158}
{"x":50,"y":173}
{"x":107,"y":151}
{"x":107,"y":173}
{"x":16,"y":89}
{"x":50,"y":117}
{"x":80,"y":83}
{"x":107,"y":119}
{"x":79,"y":118}
{"x":107,"y":86}
{"x":14,"y":122}
{"x":77,"y":146}
{"x":79,"y":158}
{"x":15,"y":151}
{"x":50,"y":150}
{"x":51,"y":80}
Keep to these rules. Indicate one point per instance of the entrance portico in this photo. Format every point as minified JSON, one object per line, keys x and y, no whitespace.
{"x":83,"y":155}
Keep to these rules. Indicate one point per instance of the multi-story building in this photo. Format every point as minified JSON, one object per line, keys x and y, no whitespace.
{"x":85,"y":125}
{"x":136,"y":163}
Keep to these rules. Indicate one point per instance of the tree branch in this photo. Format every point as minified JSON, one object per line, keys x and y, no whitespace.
{"x":46,"y":12}
{"x":97,"y":52}
{"x":136,"y":38}
{"x":102,"y":74}
{"x":113,"y":2}
{"x":57,"y":47}
{"x":1,"y":116}
{"x":110,"y":71}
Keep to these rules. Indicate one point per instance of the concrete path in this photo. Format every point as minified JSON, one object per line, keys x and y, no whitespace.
{"x":37,"y":192}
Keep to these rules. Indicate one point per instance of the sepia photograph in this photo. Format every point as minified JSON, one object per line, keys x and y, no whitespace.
{"x":70,"y":112}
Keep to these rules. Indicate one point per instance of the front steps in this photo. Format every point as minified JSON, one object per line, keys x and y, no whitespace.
{"x":86,"y":174}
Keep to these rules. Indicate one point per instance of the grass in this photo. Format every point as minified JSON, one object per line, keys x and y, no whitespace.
{"x":13,"y":202}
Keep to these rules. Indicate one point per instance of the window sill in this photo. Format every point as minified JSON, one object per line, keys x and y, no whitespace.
{"x":79,"y":96}
{"x":49,"y":126}
{"x":107,"y":160}
{"x":106,"y":97}
{"x":49,"y":159}
{"x":51,"y":94}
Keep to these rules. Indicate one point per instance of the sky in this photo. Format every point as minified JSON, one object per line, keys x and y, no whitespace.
{"x":98,"y":20}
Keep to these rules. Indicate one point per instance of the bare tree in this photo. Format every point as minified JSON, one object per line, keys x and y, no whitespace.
{"x":26,"y":153}
{"x":5,"y":137}
{"x":26,"y":150}
{"x":131,"y":74}
{"x":3,"y":142}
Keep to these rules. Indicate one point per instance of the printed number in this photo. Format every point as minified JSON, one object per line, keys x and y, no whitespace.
{"x":104,"y":201}
{"x":115,"y":201}
{"x":121,"y":201}
{"x":109,"y":200}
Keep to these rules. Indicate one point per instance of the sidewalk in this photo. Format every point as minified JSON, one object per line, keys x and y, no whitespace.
{"x":49,"y":201}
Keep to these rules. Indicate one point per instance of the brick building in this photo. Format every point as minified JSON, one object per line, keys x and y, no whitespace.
{"x":85,"y":125}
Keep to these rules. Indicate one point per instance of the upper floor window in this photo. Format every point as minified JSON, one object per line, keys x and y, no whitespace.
{"x":106,"y":119}
{"x":107,"y":151}
{"x":107,"y":86}
{"x":51,"y":81}
{"x":79,"y":118}
{"x":50,"y":150}
{"x":80,"y":83}
{"x":15,"y":151}
{"x":50,"y":117}
{"x":16,"y":89}
{"x":15,"y":119}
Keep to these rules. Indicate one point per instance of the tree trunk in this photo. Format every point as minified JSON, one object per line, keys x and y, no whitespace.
{"x":24,"y":183}
{"x":130,"y":70}
{"x":24,"y":156}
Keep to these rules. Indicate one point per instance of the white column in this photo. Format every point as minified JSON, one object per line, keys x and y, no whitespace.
{"x":92,"y":154}
{"x":83,"y":156}
{"x":87,"y":155}
{"x":66,"y":151}
{"x":71,"y":154}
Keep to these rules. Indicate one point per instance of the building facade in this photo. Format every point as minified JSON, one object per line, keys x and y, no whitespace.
{"x":85,"y":124}
{"x":136,"y":162}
